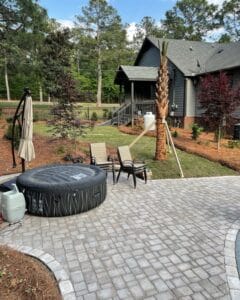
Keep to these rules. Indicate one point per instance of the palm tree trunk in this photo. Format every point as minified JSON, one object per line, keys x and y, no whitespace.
{"x":161,"y":149}
{"x":161,"y":106}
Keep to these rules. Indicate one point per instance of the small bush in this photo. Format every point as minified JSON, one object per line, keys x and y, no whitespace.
{"x":196,"y":131}
{"x":233,"y":144}
{"x":9,"y":120}
{"x":94,"y":117}
{"x":175,"y":134}
{"x":105,"y":113}
{"x":17,"y":134}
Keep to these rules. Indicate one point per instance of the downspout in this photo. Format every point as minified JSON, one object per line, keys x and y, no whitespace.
{"x":185,"y":100}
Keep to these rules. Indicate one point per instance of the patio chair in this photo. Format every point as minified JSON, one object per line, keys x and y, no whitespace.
{"x":129,"y":166}
{"x":99,"y":157}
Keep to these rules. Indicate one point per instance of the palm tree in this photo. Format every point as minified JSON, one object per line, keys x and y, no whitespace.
{"x":162,"y":104}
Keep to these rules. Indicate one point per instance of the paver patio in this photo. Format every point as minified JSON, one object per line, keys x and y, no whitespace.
{"x":164,"y":240}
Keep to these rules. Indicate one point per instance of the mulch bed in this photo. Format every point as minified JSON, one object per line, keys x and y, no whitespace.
{"x":47,"y":150}
{"x":205,"y":146}
{"x":24,"y":277}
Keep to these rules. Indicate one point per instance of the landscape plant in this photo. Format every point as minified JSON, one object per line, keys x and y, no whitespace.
{"x":65,"y":123}
{"x":196,"y":131}
{"x":219,"y":100}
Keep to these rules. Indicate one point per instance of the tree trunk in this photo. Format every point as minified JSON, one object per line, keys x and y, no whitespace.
{"x":40,"y":92}
{"x":99,"y":79}
{"x":6,"y":81}
{"x":219,"y":138}
{"x":99,"y":66}
{"x":161,"y":106}
{"x":161,"y":149}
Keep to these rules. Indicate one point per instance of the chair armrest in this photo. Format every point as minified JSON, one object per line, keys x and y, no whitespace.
{"x":139,"y":161}
{"x":128,"y":163}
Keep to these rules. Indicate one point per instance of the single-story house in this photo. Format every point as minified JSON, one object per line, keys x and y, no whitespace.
{"x":187,"y":61}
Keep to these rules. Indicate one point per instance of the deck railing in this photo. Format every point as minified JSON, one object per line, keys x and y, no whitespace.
{"x":124,"y":114}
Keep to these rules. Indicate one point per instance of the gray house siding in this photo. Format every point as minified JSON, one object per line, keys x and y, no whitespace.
{"x":176,"y":89}
{"x":150,"y":58}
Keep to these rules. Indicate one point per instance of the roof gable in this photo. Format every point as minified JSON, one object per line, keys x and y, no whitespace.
{"x":136,"y":73}
{"x":193,"y":58}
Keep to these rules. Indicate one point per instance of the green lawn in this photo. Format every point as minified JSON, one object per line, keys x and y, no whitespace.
{"x":192,"y":165}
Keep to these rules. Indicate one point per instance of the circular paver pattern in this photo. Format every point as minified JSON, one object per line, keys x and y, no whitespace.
{"x":164,"y":240}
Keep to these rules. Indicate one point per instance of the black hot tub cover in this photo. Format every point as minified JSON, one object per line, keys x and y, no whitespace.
{"x":63,"y":189}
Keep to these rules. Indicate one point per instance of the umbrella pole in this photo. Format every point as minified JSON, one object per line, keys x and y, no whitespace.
{"x":17,"y":116}
{"x":23,"y":165}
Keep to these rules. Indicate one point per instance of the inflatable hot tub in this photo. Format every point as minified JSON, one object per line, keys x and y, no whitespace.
{"x":62,"y":190}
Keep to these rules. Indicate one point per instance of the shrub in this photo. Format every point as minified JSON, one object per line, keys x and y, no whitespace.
{"x":9,"y":120}
{"x":175,"y":134}
{"x":233,"y":144}
{"x":94,"y":117}
{"x":196,"y":131}
{"x":105,"y":113}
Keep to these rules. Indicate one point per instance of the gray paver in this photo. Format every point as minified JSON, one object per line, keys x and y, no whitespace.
{"x":169,"y":239}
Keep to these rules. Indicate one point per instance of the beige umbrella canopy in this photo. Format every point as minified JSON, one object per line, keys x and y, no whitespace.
{"x":26,"y":148}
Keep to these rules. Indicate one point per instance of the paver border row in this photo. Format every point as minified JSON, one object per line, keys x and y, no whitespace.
{"x":231,"y":262}
{"x":61,"y":276}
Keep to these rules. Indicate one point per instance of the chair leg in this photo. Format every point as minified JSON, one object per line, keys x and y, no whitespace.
{"x":128,"y":175}
{"x":134,"y":180}
{"x":145,"y":175}
{"x":119,"y":174}
{"x":114,"y":177}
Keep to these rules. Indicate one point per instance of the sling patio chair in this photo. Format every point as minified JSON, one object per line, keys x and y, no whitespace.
{"x":99,"y":157}
{"x":130,"y":166}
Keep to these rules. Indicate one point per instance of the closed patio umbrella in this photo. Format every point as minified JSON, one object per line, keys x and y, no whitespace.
{"x":26,"y":148}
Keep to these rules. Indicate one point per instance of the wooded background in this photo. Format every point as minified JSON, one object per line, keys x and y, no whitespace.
{"x":35,"y":51}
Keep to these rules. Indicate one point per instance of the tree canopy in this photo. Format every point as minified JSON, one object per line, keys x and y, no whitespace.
{"x":35,"y":50}
{"x":190,"y":20}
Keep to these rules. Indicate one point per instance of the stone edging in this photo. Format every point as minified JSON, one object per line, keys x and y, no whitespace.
{"x":230,"y":261}
{"x":64,"y":283}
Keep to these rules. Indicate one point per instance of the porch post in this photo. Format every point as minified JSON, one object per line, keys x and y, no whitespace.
{"x":132,"y":103}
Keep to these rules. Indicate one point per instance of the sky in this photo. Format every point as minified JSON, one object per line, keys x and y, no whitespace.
{"x":131,"y":11}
